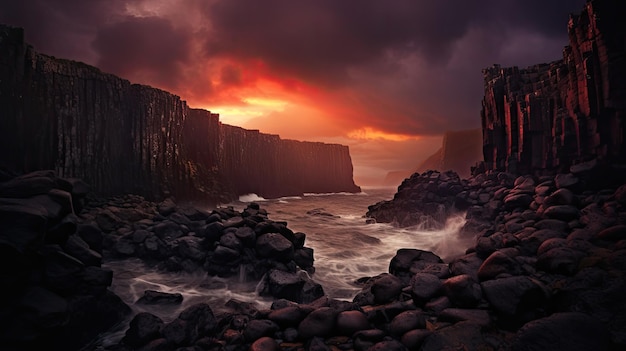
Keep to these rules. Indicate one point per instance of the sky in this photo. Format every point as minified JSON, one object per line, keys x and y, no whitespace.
{"x":386,"y":78}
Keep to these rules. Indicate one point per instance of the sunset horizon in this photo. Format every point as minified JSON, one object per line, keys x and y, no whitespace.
{"x":388,"y":83}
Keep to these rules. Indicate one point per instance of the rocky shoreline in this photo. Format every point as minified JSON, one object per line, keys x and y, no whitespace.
{"x":546,"y":271}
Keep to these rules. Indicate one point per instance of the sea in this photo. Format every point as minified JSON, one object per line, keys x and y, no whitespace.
{"x":346,"y":248}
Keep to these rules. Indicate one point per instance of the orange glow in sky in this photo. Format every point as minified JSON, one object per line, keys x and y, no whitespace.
{"x":388,"y":79}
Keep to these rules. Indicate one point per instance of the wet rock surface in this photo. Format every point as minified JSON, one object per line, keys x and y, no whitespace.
{"x":55,"y":293}
{"x":530,"y":281}
{"x":528,"y":276}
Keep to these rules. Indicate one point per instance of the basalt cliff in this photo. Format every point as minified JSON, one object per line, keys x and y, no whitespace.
{"x":569,"y":113}
{"x":128,"y":138}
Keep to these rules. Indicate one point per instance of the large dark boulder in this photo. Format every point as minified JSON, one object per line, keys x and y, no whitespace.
{"x":192,"y":323}
{"x":407,"y":262}
{"x":274,"y":246}
{"x":463,"y":291}
{"x":320,"y":322}
{"x":152,"y":297}
{"x":285,"y":285}
{"x":406,"y":321}
{"x":386,"y":288}
{"x":569,"y":331}
{"x":257,"y":328}
{"x":350,"y":322}
{"x":144,"y":328}
{"x":516,"y":299}
{"x":424,"y":286}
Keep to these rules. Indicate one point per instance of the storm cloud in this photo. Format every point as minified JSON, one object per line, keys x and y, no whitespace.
{"x":410,"y":67}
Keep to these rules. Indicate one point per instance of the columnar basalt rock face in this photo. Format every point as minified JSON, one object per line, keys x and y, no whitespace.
{"x":128,"y":138}
{"x":571,"y":111}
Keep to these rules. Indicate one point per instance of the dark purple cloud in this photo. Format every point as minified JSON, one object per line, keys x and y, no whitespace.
{"x":144,"y":44}
{"x":412,"y":66}
{"x":321,"y":39}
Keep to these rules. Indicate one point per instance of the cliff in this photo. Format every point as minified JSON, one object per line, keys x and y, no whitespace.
{"x":460,"y":150}
{"x":128,"y":138}
{"x":570,"y":112}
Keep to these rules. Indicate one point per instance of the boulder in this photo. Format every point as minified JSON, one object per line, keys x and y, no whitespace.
{"x":424,"y":286}
{"x":144,"y":328}
{"x":22,"y":226}
{"x":246,"y":235}
{"x":168,"y":230}
{"x":514,"y":201}
{"x":406,"y":321}
{"x":407,"y":259}
{"x":454,"y":315}
{"x":258,"y":328}
{"x":27,"y":185}
{"x":562,"y":196}
{"x":231,"y":241}
{"x":559,"y":260}
{"x":91,"y":234}
{"x":460,"y":336}
{"x":213,"y":232}
{"x":285,"y":285}
{"x":152,"y":297}
{"x":566,"y":180}
{"x":226,"y":256}
{"x":438,"y":304}
{"x":500,"y":262}
{"x":320,"y":322}
{"x":78,"y":248}
{"x":562,"y":212}
{"x":166,"y":207}
{"x":350,"y":322}
{"x":467,"y":264}
{"x":515,"y":297}
{"x":568,"y":331}
{"x":413,"y":339}
{"x":365,"y":339}
{"x":388,"y":345}
{"x":613,"y":233}
{"x":386,"y":288}
{"x":463,"y":291}
{"x":265,"y":344}
{"x":274,"y":246}
{"x":552,"y":224}
{"x":192,"y":323}
{"x":287,"y":316}
{"x":190,"y":247}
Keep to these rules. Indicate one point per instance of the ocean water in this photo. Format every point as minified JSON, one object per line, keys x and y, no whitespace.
{"x":346,"y":248}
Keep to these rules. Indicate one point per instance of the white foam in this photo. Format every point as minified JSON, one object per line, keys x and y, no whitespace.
{"x":251,"y":198}
{"x":331,"y":194}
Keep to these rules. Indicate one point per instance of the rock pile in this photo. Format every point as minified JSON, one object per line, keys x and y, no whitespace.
{"x":430,"y":198}
{"x":222,"y":242}
{"x":426,"y":199}
{"x":55,"y":293}
{"x":546,"y":272}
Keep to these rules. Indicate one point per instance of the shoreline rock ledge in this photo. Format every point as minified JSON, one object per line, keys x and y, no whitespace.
{"x":546,"y":270}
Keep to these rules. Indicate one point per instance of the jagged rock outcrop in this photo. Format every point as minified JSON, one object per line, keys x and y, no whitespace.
{"x":54,"y":289}
{"x":460,"y":150}
{"x":564,"y":113}
{"x":129,"y":138}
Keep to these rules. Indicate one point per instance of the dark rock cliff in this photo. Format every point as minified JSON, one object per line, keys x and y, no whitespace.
{"x":128,"y":138}
{"x":568,"y":112}
{"x":460,"y":151}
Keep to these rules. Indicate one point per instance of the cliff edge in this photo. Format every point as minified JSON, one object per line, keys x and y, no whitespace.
{"x":570,"y":112}
{"x":129,"y":138}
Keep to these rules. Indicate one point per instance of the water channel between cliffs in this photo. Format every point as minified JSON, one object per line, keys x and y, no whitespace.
{"x":346,"y":249}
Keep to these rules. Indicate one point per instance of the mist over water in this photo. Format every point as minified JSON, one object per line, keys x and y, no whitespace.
{"x":345,"y":249}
